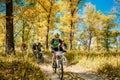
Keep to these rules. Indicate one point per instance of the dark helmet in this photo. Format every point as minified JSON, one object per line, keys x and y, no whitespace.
{"x":34,"y":44}
{"x":39,"y":43}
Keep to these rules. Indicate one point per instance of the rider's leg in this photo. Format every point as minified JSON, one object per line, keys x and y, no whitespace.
{"x":54,"y":55}
{"x":53,"y":58}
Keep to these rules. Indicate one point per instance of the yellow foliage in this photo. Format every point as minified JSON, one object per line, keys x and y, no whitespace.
{"x":2,"y":38}
{"x":1,"y":24}
{"x":105,"y":25}
{"x":65,"y":29}
{"x":68,"y":17}
{"x":112,"y":16}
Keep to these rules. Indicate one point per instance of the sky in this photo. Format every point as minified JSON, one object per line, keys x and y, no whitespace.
{"x":103,"y":5}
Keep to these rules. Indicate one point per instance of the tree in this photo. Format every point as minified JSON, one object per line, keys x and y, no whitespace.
{"x":73,"y":11}
{"x":26,"y":18}
{"x":2,"y":29}
{"x":116,"y":9}
{"x":92,"y":22}
{"x":69,"y":11}
{"x":9,"y":27}
{"x":49,"y":10}
{"x":115,"y":38}
{"x":108,"y":22}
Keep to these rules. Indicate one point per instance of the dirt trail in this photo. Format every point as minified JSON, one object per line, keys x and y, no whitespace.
{"x":70,"y":72}
{"x":54,"y":76}
{"x":85,"y":74}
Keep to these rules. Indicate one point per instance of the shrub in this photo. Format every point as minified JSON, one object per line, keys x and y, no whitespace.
{"x":72,"y":57}
{"x":47,"y":53}
{"x":20,"y":70}
{"x":109,"y":71}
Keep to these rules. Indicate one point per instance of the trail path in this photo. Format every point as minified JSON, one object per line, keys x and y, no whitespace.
{"x":70,"y":72}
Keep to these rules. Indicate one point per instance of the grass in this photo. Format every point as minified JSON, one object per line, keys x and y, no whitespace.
{"x":72,"y":57}
{"x":20,"y":67}
{"x":47,"y":53}
{"x":105,"y":64}
{"x":102,"y":63}
{"x":109,"y":71}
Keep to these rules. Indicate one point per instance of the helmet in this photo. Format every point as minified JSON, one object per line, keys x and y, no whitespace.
{"x":39,"y":43}
{"x":57,"y":35}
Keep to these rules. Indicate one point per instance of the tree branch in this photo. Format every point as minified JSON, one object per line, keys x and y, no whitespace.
{"x":76,"y":6}
{"x":43,"y":6}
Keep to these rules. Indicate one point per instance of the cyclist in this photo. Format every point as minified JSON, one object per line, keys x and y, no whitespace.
{"x":56,"y":44}
{"x":34,"y":48}
{"x":39,"y":46}
{"x":24,"y":47}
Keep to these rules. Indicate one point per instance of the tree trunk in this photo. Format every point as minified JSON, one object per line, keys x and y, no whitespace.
{"x":47,"y":37}
{"x":71,"y":36}
{"x":98,"y":48}
{"x":71,"y":26}
{"x":116,"y":43}
{"x":9,"y":27}
{"x":23,"y":32}
{"x":107,"y":42}
{"x":90,"y":39}
{"x":107,"y":47}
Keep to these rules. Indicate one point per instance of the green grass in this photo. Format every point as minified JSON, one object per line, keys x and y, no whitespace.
{"x":20,"y":67}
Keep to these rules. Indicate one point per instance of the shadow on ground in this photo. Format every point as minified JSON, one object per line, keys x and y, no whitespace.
{"x":72,"y":76}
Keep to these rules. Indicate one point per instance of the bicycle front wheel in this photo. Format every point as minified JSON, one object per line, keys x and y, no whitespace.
{"x":60,"y":70}
{"x":54,"y":67}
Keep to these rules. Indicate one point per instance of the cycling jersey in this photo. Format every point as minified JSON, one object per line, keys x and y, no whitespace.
{"x":39,"y":47}
{"x":55,"y":43}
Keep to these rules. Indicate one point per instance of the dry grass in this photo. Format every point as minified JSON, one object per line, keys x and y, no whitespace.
{"x":109,"y":71}
{"x":105,"y":64}
{"x":102,"y":63}
{"x":20,"y":67}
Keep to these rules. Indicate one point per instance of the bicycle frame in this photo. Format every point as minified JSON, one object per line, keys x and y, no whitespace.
{"x":59,"y":63}
{"x":38,"y":54}
{"x":59,"y":57}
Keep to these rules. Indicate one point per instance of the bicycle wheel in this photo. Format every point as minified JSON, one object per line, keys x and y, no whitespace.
{"x":42,"y":59}
{"x":54,"y":67}
{"x":40,"y":55}
{"x":60,"y":70}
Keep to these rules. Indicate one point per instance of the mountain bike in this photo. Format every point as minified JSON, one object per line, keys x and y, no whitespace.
{"x":59,"y":64}
{"x":38,"y":54}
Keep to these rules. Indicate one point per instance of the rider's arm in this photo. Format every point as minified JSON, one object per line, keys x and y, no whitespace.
{"x":62,"y":45}
{"x":51,"y":43}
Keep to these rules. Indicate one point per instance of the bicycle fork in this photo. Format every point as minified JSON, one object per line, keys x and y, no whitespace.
{"x":58,"y":63}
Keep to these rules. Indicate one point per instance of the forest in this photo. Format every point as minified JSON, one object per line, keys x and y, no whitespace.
{"x":92,"y":38}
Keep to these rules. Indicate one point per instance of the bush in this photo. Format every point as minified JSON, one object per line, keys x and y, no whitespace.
{"x":94,"y":61}
{"x":20,"y":70}
{"x":109,"y":71}
{"x":16,"y":67}
{"x":47,"y":53}
{"x":72,"y":57}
